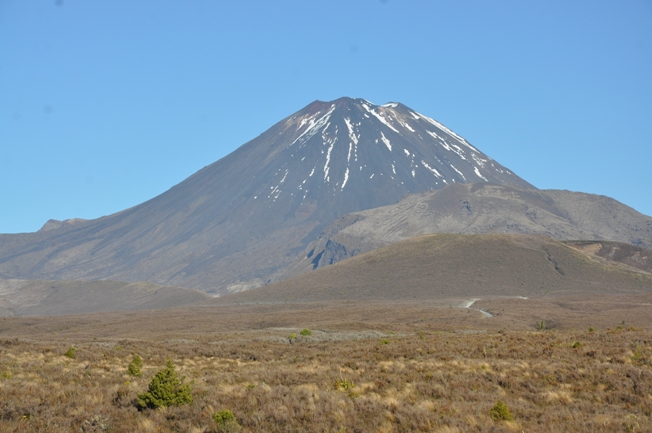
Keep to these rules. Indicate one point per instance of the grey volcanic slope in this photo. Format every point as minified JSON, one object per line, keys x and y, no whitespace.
{"x":238,"y":222}
{"x":55,"y":298}
{"x":478,"y":208}
{"x":446,"y":266}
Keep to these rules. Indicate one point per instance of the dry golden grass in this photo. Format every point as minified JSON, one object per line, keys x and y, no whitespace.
{"x":407,"y":381}
{"x":393,"y":366}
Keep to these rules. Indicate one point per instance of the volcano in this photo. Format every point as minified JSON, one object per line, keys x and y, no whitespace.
{"x":239,"y":222}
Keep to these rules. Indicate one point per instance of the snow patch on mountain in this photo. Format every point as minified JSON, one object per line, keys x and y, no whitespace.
{"x":481,"y":162}
{"x":313,"y":126}
{"x":448,"y":131}
{"x":477,"y":172}
{"x":346,"y":177}
{"x":328,"y":159}
{"x":407,"y":126}
{"x":458,"y":172}
{"x":458,"y":150}
{"x":386,"y":141}
{"x":379,"y":117}
{"x":434,"y":171}
{"x":352,"y":135}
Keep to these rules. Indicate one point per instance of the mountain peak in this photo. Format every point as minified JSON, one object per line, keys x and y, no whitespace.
{"x":352,"y":137}
{"x":347,"y":102}
{"x":240,"y":221}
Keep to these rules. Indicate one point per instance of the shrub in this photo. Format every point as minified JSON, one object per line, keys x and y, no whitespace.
{"x":135,"y":366}
{"x":344,"y":384}
{"x":500,"y":411}
{"x":226,"y":422}
{"x":306,"y":332}
{"x":166,"y":389}
{"x":292,"y":337}
{"x":591,"y":329}
{"x":540,"y":325}
{"x":70,"y":353}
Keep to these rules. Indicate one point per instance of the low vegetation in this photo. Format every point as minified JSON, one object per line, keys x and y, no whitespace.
{"x":70,"y":353}
{"x":500,"y":412}
{"x":226,"y":422}
{"x":135,"y":367}
{"x":166,"y":389}
{"x":424,"y":381}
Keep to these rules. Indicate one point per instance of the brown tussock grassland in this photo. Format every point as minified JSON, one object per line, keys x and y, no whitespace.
{"x":408,"y":380}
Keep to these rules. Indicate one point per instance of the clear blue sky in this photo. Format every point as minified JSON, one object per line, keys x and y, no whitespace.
{"x":105,"y":104}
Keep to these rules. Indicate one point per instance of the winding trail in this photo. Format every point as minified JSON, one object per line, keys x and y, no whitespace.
{"x":470,"y":302}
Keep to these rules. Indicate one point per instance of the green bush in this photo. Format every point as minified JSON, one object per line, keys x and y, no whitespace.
{"x":343,"y":384}
{"x":166,"y":389}
{"x":540,"y":325}
{"x":226,"y":422}
{"x":70,"y":353}
{"x":292,"y":337}
{"x":500,"y":411}
{"x":135,"y":367}
{"x":306,"y":332}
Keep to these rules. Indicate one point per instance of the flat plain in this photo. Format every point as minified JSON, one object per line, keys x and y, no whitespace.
{"x":391,"y":366}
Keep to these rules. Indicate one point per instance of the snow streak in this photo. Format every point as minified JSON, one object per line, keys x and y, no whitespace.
{"x":458,"y":172}
{"x":313,"y":126}
{"x":434,"y":171}
{"x":379,"y":117}
{"x":328,"y":159}
{"x":477,"y":172}
{"x":386,"y":141}
{"x":449,"y":132}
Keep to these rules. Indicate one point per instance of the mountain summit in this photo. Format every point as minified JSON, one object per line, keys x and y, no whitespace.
{"x":240,"y":221}
{"x":350,"y":153}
